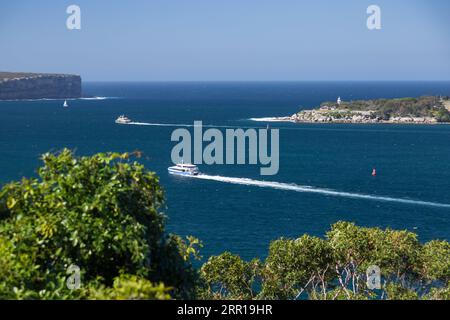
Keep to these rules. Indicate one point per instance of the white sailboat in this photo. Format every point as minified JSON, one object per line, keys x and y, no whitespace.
{"x":65,"y":105}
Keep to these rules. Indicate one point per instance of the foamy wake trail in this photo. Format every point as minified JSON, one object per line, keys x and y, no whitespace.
{"x":270,"y":119}
{"x":61,"y":99}
{"x":159,"y":124}
{"x":185,"y":125}
{"x":308,"y":189}
{"x":95,"y":98}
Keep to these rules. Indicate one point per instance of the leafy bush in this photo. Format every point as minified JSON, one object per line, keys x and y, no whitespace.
{"x":128,"y":287}
{"x":443,"y":115}
{"x":335,"y":267}
{"x":228,"y":276}
{"x":291,"y":263}
{"x":101,"y":213}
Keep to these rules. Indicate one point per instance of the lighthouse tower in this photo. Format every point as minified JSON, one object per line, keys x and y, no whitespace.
{"x":339,"y":100}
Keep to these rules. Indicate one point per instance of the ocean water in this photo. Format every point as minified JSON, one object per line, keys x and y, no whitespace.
{"x":325,"y":169}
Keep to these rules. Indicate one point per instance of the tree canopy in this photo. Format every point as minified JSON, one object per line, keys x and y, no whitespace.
{"x":100,"y":213}
{"x":335,"y":267}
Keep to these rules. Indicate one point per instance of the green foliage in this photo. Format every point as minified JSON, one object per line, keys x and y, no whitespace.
{"x":442,"y":115}
{"x":101,"y":213}
{"x":395,"y":291}
{"x":439,"y":293}
{"x":426,"y":106}
{"x":335,"y":267}
{"x":292,"y":263}
{"x":350,"y":243}
{"x":130,"y":287}
{"x":396,"y":252}
{"x":227,"y":276}
{"x":340,"y":294}
{"x":436,"y":261}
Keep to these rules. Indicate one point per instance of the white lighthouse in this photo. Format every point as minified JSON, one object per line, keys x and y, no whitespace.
{"x":339,"y":100}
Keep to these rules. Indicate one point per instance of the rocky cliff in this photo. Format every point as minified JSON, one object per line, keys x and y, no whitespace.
{"x":14,"y":86}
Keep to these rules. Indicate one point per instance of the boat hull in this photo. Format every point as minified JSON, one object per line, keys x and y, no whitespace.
{"x":180,"y":173}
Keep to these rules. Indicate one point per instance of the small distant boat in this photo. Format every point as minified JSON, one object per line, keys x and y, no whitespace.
{"x":184,"y":169}
{"x":65,"y":104}
{"x":374,"y":172}
{"x":122,"y":120}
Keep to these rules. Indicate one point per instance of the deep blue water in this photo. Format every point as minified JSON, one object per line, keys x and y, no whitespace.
{"x":413,"y":162}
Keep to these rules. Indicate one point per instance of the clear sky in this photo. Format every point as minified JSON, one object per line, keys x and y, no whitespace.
{"x":228,"y":39}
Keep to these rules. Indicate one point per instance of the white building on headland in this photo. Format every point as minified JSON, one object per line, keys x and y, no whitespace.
{"x":339,"y":100}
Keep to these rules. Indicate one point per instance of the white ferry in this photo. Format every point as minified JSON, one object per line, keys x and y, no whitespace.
{"x":184,"y":169}
{"x":123,"y":120}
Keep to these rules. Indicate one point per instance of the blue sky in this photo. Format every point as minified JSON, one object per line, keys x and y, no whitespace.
{"x":225,"y":40}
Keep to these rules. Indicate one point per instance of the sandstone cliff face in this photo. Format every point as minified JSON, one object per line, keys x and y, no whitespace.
{"x":14,"y":86}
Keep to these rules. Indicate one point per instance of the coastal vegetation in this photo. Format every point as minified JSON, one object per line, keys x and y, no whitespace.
{"x":335,"y":267}
{"x":100,"y":213}
{"x":104,"y":215}
{"x":426,"y":109}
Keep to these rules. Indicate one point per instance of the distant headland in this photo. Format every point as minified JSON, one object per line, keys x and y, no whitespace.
{"x":20,"y":85}
{"x":422,"y":110}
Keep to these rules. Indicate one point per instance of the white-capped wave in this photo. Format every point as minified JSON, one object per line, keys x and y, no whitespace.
{"x":309,"y":189}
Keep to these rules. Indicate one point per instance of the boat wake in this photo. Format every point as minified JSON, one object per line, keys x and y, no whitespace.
{"x":62,"y":99}
{"x":159,"y":124}
{"x":95,"y":98}
{"x":309,"y":189}
{"x":187,"y":125}
{"x":271,"y":119}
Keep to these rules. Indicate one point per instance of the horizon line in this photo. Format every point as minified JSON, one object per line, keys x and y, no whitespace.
{"x":399,"y":80}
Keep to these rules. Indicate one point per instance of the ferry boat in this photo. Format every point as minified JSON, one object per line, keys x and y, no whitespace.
{"x":184,"y":169}
{"x":123,"y":120}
